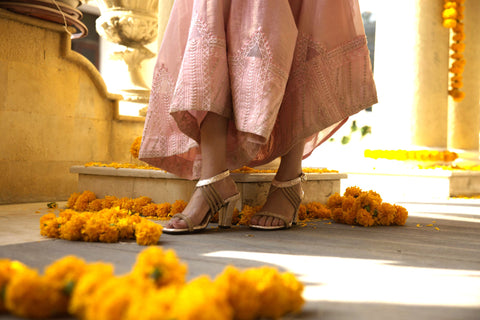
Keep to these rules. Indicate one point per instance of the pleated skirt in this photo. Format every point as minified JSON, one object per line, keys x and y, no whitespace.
{"x":281,"y":71}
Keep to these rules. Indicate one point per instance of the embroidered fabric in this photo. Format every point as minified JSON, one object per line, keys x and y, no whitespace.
{"x":281,"y":70}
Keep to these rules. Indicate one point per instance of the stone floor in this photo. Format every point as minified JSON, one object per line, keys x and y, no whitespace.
{"x":409,"y":272}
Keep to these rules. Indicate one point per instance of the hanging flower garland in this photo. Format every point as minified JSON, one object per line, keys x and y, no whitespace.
{"x":88,"y":291}
{"x":453,"y":19}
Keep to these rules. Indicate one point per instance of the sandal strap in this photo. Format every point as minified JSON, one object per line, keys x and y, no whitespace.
{"x":186,"y":219}
{"x":213,"y":179}
{"x":287,"y":189}
{"x":289,"y":183}
{"x":273,"y":215}
{"x":212,"y":197}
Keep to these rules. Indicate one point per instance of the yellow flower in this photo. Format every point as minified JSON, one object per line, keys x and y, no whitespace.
{"x":147,"y":232}
{"x":450,"y":13}
{"x":241,"y":292}
{"x":154,"y":304}
{"x":94,"y":276}
{"x":278,"y":294}
{"x":81,"y":204}
{"x":160,"y":267}
{"x":112,"y":299}
{"x":72,"y":229}
{"x":135,"y":147}
{"x":8,"y":270}
{"x":459,"y":36}
{"x":29,"y":295}
{"x":64,"y":273}
{"x":201,"y":300}
{"x":49,"y":226}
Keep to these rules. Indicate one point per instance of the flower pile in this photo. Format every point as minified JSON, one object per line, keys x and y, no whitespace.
{"x":111,"y":223}
{"x":118,"y":165}
{"x":365,"y":208}
{"x":453,"y":19}
{"x":418,"y":155}
{"x":155,"y":288}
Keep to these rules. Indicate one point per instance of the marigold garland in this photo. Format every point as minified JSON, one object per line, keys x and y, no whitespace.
{"x":88,"y":291}
{"x":414,"y":155}
{"x":135,"y":147}
{"x":453,"y":19}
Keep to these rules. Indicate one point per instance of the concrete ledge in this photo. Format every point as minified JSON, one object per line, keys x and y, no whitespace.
{"x":166,"y":187}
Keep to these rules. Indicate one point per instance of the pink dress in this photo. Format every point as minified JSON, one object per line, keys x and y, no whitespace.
{"x":282,"y":71}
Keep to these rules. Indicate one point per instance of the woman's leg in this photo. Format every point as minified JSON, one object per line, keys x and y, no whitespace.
{"x":213,"y":135}
{"x":290,"y":168}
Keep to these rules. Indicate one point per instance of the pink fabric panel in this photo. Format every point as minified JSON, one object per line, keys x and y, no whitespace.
{"x":281,"y":71}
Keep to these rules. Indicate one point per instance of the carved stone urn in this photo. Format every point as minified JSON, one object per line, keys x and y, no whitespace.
{"x":131,"y":24}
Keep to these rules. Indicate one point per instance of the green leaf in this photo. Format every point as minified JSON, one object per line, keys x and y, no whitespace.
{"x":345,"y":139}
{"x":156,"y":274}
{"x":354,"y":127}
{"x":68,"y":288}
{"x":365,"y":130}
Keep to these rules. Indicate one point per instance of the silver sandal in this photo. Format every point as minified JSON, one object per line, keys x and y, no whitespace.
{"x":291,"y":194}
{"x":224,"y":207}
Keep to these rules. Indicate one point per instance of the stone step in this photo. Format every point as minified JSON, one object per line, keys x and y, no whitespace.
{"x":166,"y":187}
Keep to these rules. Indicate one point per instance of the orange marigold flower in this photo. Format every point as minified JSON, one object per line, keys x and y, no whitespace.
{"x":147,"y":232}
{"x":386,"y":214}
{"x":163,"y":209}
{"x":401,"y":215}
{"x":82,"y":202}
{"x":72,"y":199}
{"x":49,"y":226}
{"x":150,"y":210}
{"x":458,"y":47}
{"x":335,"y":201}
{"x":177,"y":207}
{"x":95,"y":205}
{"x":353,"y":191}
{"x":302,"y":212}
{"x":459,"y":27}
{"x":317,"y":210}
{"x":109,"y":202}
{"x":459,"y":36}
{"x":364,"y":218}
{"x":139,"y":203}
{"x":337,"y":215}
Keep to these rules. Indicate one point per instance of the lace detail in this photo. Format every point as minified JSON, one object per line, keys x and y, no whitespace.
{"x":202,"y":58}
{"x":252,"y":72}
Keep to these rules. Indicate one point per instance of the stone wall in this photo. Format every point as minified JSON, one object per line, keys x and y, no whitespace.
{"x":55,"y":112}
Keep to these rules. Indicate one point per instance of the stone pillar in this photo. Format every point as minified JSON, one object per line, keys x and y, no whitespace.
{"x":464,"y":116}
{"x":411,"y":73}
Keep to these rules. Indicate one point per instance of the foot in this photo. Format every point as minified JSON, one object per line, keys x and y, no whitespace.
{"x":197,"y":208}
{"x":279,"y":204}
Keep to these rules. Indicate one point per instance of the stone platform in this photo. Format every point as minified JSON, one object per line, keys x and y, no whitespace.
{"x":166,"y":187}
